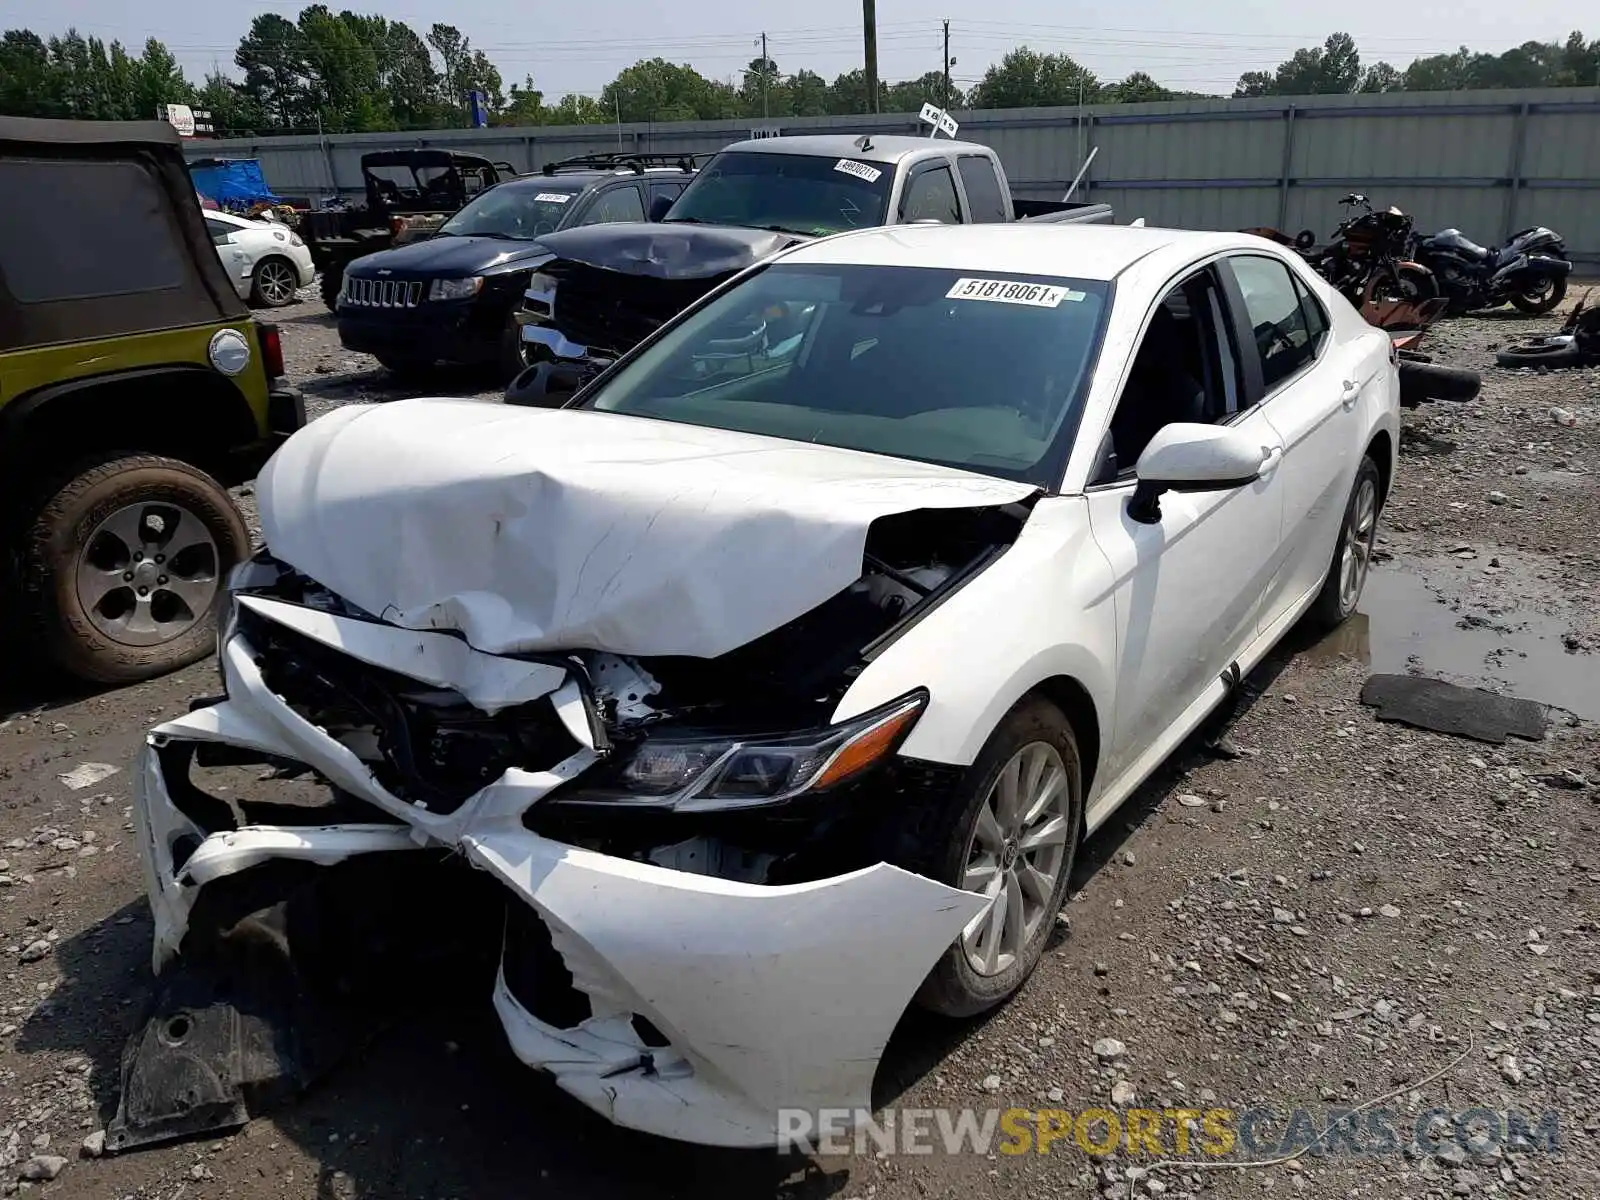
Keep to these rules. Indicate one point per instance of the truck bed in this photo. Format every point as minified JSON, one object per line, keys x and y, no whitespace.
{"x":1081,"y":212}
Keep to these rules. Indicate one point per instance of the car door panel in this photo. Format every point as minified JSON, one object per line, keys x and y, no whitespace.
{"x":1188,"y":589}
{"x":1311,"y":410}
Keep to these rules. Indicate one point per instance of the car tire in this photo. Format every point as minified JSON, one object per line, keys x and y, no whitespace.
{"x":1541,"y":301}
{"x":274,"y":282}
{"x":1352,"y":549}
{"x":1423,"y":381}
{"x":332,"y":282}
{"x":404,"y":369}
{"x":513,"y":358}
{"x":947,"y":844}
{"x":82,"y":612}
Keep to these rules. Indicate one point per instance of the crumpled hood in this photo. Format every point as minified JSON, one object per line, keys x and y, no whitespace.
{"x":667,"y":250}
{"x":531,"y":529}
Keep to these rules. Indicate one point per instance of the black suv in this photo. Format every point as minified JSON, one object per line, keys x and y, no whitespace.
{"x":452,"y":296}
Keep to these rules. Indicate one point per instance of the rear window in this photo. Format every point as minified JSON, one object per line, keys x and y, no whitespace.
{"x":84,"y":230}
{"x":955,"y":367}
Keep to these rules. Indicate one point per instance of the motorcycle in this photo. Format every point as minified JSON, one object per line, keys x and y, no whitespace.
{"x":1530,"y":270}
{"x":1369,"y":257}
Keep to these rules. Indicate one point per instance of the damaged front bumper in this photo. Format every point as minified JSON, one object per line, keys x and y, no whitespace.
{"x":681,"y":1004}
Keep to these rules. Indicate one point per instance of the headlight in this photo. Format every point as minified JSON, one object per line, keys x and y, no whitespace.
{"x":295,"y":240}
{"x":693,"y":774}
{"x":455,"y":289}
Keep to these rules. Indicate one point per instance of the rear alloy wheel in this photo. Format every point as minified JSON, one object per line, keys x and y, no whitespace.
{"x":1010,"y":834}
{"x":123,"y":566}
{"x":1352,"y":552}
{"x":1541,"y":297}
{"x":275,"y":283}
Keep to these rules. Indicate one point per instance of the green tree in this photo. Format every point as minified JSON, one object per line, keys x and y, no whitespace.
{"x":761,"y":89}
{"x":657,"y":90}
{"x":525,"y":105}
{"x":912,"y":94}
{"x":159,"y":80}
{"x":1138,"y":88}
{"x":807,"y":94}
{"x":847,"y":94}
{"x":573,"y":109}
{"x":1332,"y":68}
{"x":1381,"y":77}
{"x":26,"y":74}
{"x":1025,"y":78}
{"x":274,"y":67}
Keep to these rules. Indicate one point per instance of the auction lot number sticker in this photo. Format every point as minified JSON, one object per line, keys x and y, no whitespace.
{"x":1009,"y":291}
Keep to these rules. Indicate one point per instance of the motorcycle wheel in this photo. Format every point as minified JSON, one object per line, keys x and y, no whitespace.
{"x":1544,"y":295}
{"x":1550,"y":353}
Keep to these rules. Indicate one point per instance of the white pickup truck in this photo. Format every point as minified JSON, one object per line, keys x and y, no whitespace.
{"x":619,"y":282}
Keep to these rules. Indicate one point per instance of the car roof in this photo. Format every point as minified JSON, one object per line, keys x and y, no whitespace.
{"x":39,"y":131}
{"x":1077,"y":251}
{"x":884,"y":148}
{"x":578,"y":180}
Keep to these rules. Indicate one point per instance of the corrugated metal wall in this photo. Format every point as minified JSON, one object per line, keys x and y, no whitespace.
{"x":1486,"y":162}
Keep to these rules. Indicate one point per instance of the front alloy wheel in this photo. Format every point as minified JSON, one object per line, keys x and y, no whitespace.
{"x":1016,"y":855}
{"x":1008,"y":832}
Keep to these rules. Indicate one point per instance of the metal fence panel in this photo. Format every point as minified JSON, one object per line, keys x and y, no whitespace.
{"x":1485,"y":162}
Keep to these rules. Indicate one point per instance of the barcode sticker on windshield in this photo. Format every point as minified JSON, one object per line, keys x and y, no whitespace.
{"x":552,"y":197}
{"x":1009,"y":291}
{"x":859,"y":170}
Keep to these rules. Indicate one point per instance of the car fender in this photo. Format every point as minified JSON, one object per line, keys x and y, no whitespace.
{"x":1043,"y":610}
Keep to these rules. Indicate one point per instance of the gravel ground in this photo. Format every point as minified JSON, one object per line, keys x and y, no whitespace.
{"x":1335,"y":915}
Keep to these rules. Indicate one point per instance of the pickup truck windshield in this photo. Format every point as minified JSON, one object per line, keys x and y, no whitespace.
{"x":799,"y":193}
{"x":969,"y":369}
{"x":520,"y":213}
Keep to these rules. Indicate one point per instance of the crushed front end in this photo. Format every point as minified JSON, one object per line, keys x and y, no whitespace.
{"x":680,"y":883}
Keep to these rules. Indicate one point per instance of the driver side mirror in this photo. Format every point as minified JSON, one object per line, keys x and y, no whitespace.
{"x":659,"y":207}
{"x":1190,"y":457}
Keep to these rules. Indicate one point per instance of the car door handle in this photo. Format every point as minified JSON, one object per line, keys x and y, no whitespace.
{"x":1350,"y":393}
{"x":1272,"y":456}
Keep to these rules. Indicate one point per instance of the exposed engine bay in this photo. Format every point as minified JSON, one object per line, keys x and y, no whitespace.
{"x":578,"y":781}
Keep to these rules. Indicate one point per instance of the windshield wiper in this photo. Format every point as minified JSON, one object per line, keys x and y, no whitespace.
{"x":786,"y":229}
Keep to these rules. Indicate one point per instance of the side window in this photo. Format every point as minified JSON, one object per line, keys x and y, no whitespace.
{"x":1184,"y":371}
{"x":931,"y":196}
{"x":983,"y":189}
{"x":1314,"y":315}
{"x":48,"y":203}
{"x":619,"y":204}
{"x":1272,"y":301}
{"x":218,"y":230}
{"x":670,"y":190}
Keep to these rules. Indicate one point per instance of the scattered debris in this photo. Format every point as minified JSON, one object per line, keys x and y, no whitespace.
{"x":87,"y":775}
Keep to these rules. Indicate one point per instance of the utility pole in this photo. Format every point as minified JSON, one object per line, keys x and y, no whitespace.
{"x":945,"y":104}
{"x":869,"y":26}
{"x":764,"y":61}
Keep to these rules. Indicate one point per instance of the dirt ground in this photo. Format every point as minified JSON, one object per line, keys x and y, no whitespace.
{"x":1336,"y":915}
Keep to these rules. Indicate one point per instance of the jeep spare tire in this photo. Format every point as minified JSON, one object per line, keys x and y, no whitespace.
{"x":123,"y":561}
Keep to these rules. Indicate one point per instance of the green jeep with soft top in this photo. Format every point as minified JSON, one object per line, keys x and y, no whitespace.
{"x":135,"y":388}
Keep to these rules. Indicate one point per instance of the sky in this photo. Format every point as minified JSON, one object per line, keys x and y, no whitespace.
{"x":570,"y":47}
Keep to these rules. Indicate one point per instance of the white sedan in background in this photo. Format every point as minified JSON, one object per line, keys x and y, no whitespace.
{"x":772,"y":683}
{"x":267,"y":261}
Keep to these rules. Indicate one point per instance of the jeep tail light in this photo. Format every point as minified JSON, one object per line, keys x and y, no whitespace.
{"x":271,"y":350}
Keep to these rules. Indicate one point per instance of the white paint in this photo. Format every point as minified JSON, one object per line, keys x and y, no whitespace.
{"x":860,"y":170}
{"x":522,"y":527}
{"x":532,"y":529}
{"x":1010,"y":291}
{"x":941,"y":121}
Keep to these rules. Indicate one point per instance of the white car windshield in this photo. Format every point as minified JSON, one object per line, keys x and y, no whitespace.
{"x":980,"y":370}
{"x":520,"y":213}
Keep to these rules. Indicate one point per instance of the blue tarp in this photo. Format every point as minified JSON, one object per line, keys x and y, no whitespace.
{"x":233,"y":184}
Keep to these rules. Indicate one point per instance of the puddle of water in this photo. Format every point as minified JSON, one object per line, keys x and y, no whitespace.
{"x":1403,"y":627}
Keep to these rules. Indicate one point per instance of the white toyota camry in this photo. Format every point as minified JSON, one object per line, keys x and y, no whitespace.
{"x":772,"y":682}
